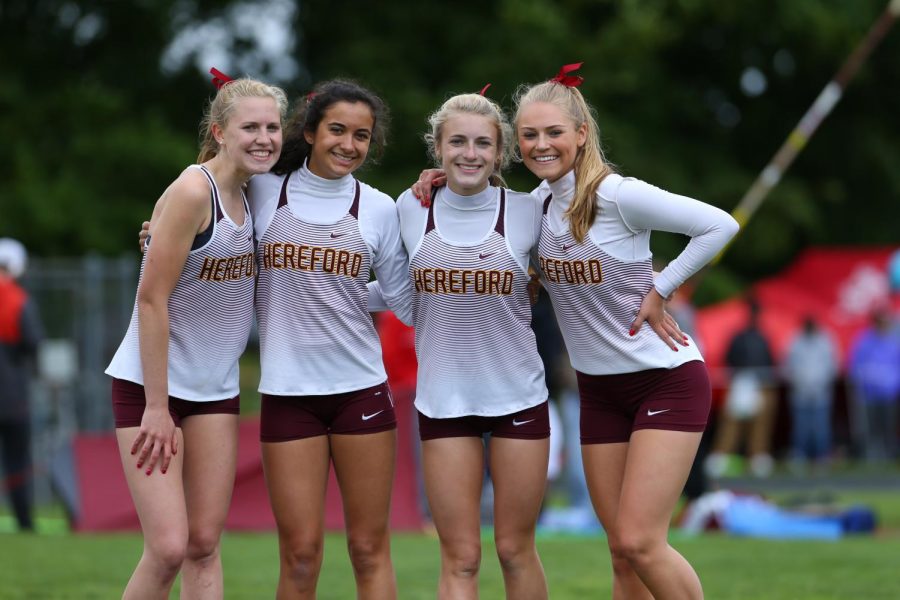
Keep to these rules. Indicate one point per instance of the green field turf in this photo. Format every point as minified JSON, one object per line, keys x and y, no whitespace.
{"x":61,"y":565}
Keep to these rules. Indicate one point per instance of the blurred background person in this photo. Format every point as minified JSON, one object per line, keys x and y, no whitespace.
{"x":810,"y":369}
{"x":749,"y":409}
{"x":874,"y":378}
{"x":20,"y":332}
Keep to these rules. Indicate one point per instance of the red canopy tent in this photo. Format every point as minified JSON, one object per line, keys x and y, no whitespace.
{"x":838,"y":286}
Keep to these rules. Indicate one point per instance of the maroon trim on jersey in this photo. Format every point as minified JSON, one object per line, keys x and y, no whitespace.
{"x":202,"y":238}
{"x":547,"y":203}
{"x":354,"y":208}
{"x":500,"y":225}
{"x":430,"y":225}
{"x":282,"y":198}
{"x":217,"y":205}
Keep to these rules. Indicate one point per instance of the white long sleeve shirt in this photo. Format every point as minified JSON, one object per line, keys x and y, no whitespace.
{"x":597,"y":286}
{"x":317,"y":246}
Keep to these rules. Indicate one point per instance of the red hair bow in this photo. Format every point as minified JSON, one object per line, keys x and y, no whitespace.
{"x":567,"y":80}
{"x":219,"y":78}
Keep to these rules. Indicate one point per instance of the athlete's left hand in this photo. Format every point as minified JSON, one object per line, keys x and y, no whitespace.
{"x":653,"y":312}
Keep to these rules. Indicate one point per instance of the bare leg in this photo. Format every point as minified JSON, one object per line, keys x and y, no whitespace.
{"x":454,"y":471}
{"x":297,"y":476}
{"x":364,"y":465}
{"x":604,"y":469}
{"x":160,"y":505}
{"x":210,"y":444}
{"x":519,"y":472}
{"x":656,"y":469}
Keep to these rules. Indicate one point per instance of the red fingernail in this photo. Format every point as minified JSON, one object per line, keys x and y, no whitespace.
{"x":631,"y":332}
{"x":675,"y":348}
{"x":149,"y":471}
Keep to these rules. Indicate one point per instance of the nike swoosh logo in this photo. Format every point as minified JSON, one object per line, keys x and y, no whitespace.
{"x":336,"y":235}
{"x":517,"y":423}
{"x":484,"y":256}
{"x":566,"y":247}
{"x":650,"y":413}
{"x":366,"y":417}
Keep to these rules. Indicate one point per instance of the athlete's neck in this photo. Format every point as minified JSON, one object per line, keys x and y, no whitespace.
{"x":563,"y":188}
{"x":320,"y":186}
{"x":228,"y":179}
{"x":468,"y":202}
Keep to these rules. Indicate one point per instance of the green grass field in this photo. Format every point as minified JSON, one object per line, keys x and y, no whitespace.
{"x":62,"y":565}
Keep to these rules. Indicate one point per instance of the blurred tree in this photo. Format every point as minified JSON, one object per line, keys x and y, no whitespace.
{"x":692,"y":95}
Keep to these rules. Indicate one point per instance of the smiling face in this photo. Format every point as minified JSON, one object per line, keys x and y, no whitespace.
{"x":251,"y":136}
{"x":468,"y":152}
{"x":341,"y":141}
{"x":548,"y":139}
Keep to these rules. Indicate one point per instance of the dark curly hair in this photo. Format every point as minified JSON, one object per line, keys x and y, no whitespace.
{"x":309,"y":112}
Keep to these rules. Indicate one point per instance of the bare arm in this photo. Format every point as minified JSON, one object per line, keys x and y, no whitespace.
{"x":181,"y":212}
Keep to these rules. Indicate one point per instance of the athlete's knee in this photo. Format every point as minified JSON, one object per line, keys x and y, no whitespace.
{"x":203,"y":545}
{"x":302,"y":559}
{"x":367,"y":552}
{"x":463,"y":559}
{"x":167,"y":553}
{"x":514,"y":552}
{"x":620,"y":564}
{"x":635,"y":547}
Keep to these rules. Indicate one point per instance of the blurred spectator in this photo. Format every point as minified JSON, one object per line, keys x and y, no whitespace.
{"x":750,"y":405}
{"x":20,"y":332}
{"x":810,"y":370}
{"x":874,"y":373}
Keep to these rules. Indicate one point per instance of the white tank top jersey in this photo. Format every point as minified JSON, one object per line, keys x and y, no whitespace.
{"x":210,"y":312}
{"x":477,"y":353}
{"x":597,"y":286}
{"x":315,"y":258}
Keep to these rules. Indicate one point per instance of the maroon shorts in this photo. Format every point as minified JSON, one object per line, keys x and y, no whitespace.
{"x":285,"y":418}
{"x":529,"y":424}
{"x":129,"y":401}
{"x":614,"y":406}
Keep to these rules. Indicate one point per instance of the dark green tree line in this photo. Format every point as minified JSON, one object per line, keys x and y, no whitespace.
{"x":692,"y":95}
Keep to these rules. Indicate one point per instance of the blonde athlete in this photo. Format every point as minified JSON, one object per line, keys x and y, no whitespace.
{"x":644,"y":404}
{"x":479,"y":369}
{"x":175,"y":386}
